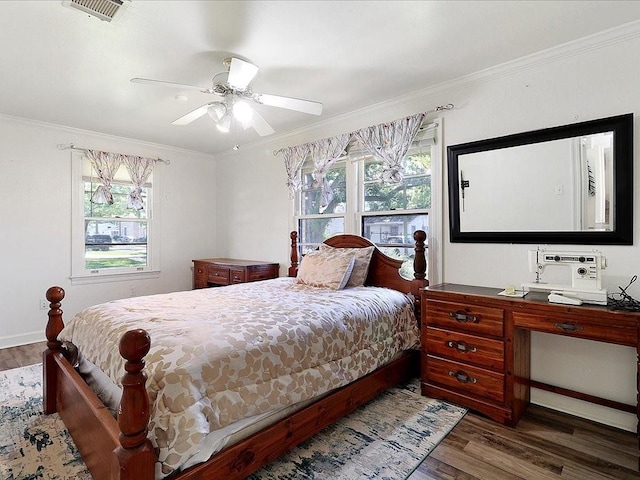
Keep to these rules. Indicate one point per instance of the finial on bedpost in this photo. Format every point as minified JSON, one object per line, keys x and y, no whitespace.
{"x":419,"y":260}
{"x":135,"y":454}
{"x":55,"y":324}
{"x":54,"y":346}
{"x":293,"y":269}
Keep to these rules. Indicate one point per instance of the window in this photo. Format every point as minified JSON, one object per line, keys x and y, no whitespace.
{"x":316,"y":223}
{"x":385,"y":213}
{"x":110,"y":239}
{"x":392,"y":212}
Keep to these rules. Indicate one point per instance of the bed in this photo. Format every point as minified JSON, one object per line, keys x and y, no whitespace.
{"x":131,"y":445}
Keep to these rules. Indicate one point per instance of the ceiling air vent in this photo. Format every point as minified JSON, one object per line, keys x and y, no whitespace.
{"x":103,"y":9}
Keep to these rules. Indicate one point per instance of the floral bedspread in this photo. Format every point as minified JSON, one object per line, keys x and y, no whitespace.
{"x":219,"y":355}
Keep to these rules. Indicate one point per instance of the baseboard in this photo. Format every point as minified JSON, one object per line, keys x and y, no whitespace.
{"x":23,"y":339}
{"x":596,"y":413}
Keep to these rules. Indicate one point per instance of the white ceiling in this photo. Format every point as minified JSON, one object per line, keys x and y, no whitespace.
{"x":62,"y":66}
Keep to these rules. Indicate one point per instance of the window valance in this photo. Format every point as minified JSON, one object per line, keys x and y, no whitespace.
{"x":106,"y":165}
{"x":388,"y":142}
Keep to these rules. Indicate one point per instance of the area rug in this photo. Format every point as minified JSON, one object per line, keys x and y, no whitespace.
{"x":385,"y":439}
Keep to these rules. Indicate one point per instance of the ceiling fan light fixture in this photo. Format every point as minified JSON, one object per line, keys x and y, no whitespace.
{"x":238,"y":98}
{"x":217,"y":111}
{"x":224,"y":125}
{"x":242,"y":111}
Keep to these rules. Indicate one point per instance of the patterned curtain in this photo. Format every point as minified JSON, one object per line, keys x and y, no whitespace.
{"x":140,"y":170}
{"x":389,"y":142}
{"x":324,"y":153}
{"x":294,"y":158}
{"x":106,"y":165}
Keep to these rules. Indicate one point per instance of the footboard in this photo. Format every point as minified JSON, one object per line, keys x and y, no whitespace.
{"x":107,"y":445}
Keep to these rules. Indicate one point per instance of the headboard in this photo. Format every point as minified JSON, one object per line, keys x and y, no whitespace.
{"x":384,"y":271}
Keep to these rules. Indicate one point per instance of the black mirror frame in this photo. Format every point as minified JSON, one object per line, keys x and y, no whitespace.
{"x":622,"y":127}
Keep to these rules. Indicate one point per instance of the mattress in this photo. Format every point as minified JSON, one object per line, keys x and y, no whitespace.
{"x":222,"y":359}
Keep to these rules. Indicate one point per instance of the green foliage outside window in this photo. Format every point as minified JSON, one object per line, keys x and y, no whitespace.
{"x":414,"y":191}
{"x":119,"y":206}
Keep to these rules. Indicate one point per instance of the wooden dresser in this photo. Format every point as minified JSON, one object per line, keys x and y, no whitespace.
{"x":209,"y":272}
{"x":477,"y":346}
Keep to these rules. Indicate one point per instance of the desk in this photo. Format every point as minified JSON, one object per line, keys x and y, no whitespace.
{"x":477,"y":346}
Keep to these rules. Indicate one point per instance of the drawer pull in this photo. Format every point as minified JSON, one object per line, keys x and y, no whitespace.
{"x":462,"y":377}
{"x":461,"y":347}
{"x":568,"y":327}
{"x":462,"y":317}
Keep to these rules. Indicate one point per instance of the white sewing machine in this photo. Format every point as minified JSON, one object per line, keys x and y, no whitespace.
{"x":586,"y":268}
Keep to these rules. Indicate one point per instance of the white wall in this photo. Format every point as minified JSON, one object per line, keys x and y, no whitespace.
{"x":594,"y":78}
{"x":35,"y":238}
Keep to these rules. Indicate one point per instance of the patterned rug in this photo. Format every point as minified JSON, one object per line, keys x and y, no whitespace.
{"x":385,"y":439}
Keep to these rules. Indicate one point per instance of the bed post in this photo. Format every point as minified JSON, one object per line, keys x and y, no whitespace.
{"x":293,"y":269}
{"x":419,"y":270}
{"x":419,"y":260}
{"x":135,"y":455}
{"x":54,"y":347}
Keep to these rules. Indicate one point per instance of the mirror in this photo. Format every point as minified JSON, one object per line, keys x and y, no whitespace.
{"x":571,"y":184}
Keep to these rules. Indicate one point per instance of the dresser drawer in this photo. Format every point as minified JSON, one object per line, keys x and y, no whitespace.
{"x":236,"y":275}
{"x":262,"y":272}
{"x":200,"y":275}
{"x":462,"y":347}
{"x":468,"y":318}
{"x":218,"y":275}
{"x":466,"y":379}
{"x":587,"y":327}
{"x":209,"y":272}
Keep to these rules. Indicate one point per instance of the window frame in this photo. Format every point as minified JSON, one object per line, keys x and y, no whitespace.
{"x":79,"y":273}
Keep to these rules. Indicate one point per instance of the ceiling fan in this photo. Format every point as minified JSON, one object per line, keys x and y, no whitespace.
{"x":237,"y":96}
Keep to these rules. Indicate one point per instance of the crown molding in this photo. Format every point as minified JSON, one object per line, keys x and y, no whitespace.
{"x":78,"y":131}
{"x":571,"y":49}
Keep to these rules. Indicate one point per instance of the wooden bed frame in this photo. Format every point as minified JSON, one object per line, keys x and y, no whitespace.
{"x":118,"y":449}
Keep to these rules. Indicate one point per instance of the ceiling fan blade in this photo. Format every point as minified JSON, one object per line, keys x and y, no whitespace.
{"x":171,"y":84}
{"x":306,"y":106}
{"x":241,"y":73}
{"x":193,"y":115}
{"x":259,"y":124}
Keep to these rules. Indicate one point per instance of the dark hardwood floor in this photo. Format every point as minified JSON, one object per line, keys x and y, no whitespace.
{"x":546,"y":444}
{"x":15,"y":357}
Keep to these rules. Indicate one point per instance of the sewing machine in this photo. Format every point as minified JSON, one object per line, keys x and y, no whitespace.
{"x":585,"y":267}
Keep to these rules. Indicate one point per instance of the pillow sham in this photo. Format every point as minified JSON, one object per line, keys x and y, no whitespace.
{"x":360,"y":267}
{"x":326,"y":269}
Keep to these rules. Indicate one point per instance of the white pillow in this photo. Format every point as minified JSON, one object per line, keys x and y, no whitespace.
{"x":326,"y":269}
{"x":360,"y":267}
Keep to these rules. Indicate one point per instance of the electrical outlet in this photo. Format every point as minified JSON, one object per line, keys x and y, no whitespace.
{"x":132,"y":291}
{"x":44,"y":304}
